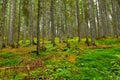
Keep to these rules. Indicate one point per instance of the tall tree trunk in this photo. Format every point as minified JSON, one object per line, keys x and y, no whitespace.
{"x":85,"y":21}
{"x":19,"y":24}
{"x":65,"y":20}
{"x":2,"y":29}
{"x":92,"y":21}
{"x":38,"y":29}
{"x":97,"y":24}
{"x":104,"y":17}
{"x":78,"y":20}
{"x":52,"y":23}
{"x":114,"y":19}
{"x":24,"y":30}
{"x":100,"y":16}
{"x":59,"y":27}
{"x":31,"y":23}
{"x":11,"y":28}
{"x":108,"y":33}
{"x":43,"y":23}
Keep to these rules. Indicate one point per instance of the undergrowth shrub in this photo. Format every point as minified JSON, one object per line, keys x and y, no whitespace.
{"x":74,"y":49}
{"x":60,"y":70}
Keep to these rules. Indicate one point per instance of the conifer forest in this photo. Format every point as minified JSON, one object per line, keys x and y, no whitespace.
{"x":59,"y":39}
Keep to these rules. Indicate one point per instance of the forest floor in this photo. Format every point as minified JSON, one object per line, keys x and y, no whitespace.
{"x":79,"y":62}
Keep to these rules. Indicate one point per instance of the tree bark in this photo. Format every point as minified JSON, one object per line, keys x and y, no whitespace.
{"x":19,"y":24}
{"x":114,"y":19}
{"x":31,"y":23}
{"x":11,"y":28}
{"x":2,"y":29}
{"x":78,"y":20}
{"x":52,"y":23}
{"x":92,"y":21}
{"x":38,"y":29}
{"x":43,"y":23}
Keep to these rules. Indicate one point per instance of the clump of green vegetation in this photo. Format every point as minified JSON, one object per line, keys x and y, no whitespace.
{"x":108,"y":41}
{"x":8,"y":59}
{"x":62,"y":69}
{"x":117,"y":49}
{"x":6,"y":55}
{"x":25,"y":43}
{"x":99,"y":64}
{"x":9,"y":62}
{"x":74,"y":49}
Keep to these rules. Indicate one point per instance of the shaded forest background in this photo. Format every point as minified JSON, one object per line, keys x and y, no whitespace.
{"x":47,"y":19}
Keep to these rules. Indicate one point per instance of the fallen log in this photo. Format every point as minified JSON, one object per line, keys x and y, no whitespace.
{"x":31,"y":65}
{"x":101,"y":47}
{"x":13,"y":67}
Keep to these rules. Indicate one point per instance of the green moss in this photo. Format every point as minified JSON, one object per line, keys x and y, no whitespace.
{"x":99,"y":65}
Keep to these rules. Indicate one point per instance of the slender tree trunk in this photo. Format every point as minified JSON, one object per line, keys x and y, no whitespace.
{"x":12,"y":20}
{"x":118,"y":18}
{"x":97,"y":24}
{"x":2,"y":31}
{"x":31,"y":23}
{"x":100,"y":16}
{"x":85,"y":21}
{"x":108,"y":33}
{"x":19,"y":24}
{"x":52,"y":23}
{"x":114,"y":19}
{"x":78,"y":20}
{"x":38,"y":29}
{"x":65,"y":20}
{"x":43,"y":23}
{"x":104,"y":19}
{"x":24,"y":30}
{"x":9,"y":23}
{"x":92,"y":21}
